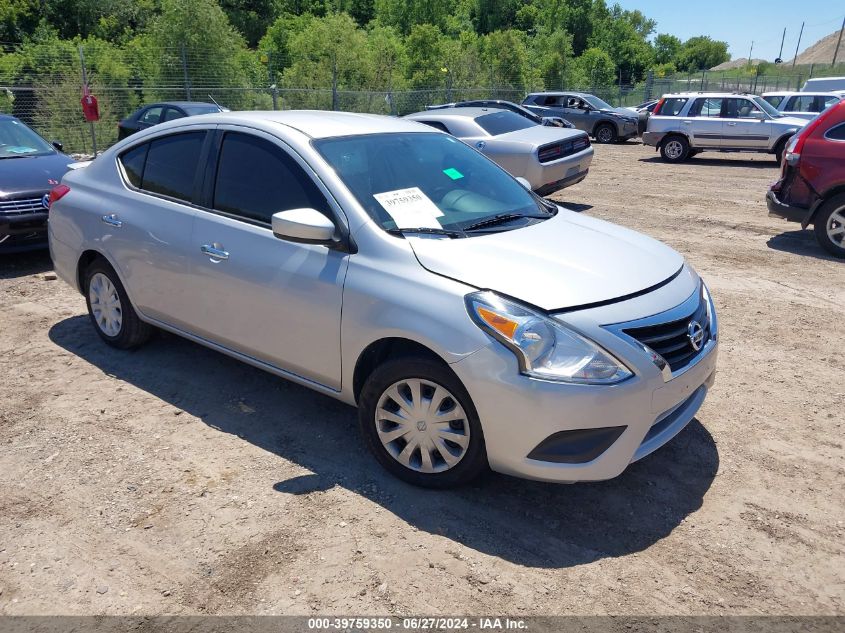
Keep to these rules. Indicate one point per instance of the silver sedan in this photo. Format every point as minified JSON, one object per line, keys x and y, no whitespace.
{"x":371,"y":259}
{"x":549,"y":158}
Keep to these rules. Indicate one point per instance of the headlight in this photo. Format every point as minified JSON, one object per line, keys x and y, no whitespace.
{"x":711,"y":311}
{"x":544,"y":348}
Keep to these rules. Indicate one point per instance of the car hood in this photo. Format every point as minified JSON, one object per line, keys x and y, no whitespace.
{"x":625,"y":112}
{"x":540,"y":135}
{"x":31,"y":174}
{"x":567,"y":261}
{"x":791,"y":121}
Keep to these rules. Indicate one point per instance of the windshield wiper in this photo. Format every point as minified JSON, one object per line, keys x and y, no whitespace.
{"x":428,"y":230}
{"x":501,"y":218}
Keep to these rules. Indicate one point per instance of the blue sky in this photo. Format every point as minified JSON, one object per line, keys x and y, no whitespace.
{"x":737,"y":22}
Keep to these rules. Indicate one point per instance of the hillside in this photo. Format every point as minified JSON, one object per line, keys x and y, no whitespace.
{"x":822,"y":51}
{"x":737,"y":63}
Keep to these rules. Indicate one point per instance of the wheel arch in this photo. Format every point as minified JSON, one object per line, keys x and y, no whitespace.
{"x":827,"y":195}
{"x":384,"y":349}
{"x":672,"y":133}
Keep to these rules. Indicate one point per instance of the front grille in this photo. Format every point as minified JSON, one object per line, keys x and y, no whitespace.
{"x":671,"y":340}
{"x":20,"y":207}
{"x":555,"y":151}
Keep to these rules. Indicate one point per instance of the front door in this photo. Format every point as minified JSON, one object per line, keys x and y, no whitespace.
{"x":271,"y":299}
{"x":745,"y":125}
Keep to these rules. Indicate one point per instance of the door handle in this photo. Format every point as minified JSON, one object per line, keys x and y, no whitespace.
{"x":687,"y":122}
{"x":112,"y":220}
{"x":732,"y":124}
{"x":214,"y":252}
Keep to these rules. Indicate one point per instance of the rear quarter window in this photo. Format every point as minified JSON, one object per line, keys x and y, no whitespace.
{"x":836,"y":133}
{"x":133,"y":164}
{"x":673,"y":106}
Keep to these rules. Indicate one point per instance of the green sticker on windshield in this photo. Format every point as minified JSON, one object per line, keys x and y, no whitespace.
{"x":453,"y":173}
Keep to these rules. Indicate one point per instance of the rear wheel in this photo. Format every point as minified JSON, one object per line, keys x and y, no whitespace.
{"x":779,"y":150}
{"x":419,"y":422}
{"x":112,"y":314}
{"x":829,"y":226}
{"x":675,"y":149}
{"x":605,"y":133}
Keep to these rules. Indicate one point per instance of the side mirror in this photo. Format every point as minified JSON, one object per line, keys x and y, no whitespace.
{"x":58,"y":145}
{"x":522,"y":181}
{"x":303,"y":225}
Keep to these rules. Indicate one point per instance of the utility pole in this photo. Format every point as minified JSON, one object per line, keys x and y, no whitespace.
{"x":751,"y":51}
{"x":798,"y":44}
{"x":780,"y":54}
{"x":838,"y":42}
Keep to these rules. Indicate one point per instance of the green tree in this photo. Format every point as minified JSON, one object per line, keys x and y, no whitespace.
{"x":18,"y":18}
{"x":666,"y":48}
{"x":424,"y":57}
{"x":595,"y":68}
{"x":701,"y":52}
{"x":505,"y":53}
{"x":555,"y":59}
{"x":249,"y":17}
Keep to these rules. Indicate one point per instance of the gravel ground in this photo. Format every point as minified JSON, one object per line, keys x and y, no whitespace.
{"x":175,"y":480}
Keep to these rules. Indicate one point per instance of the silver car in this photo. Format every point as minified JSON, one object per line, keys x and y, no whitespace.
{"x":802,"y":105}
{"x":598,"y":118}
{"x":394,"y":268}
{"x":685,"y":124}
{"x":549,"y":158}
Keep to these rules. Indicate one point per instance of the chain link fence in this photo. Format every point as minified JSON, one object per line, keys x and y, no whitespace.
{"x":43,"y":88}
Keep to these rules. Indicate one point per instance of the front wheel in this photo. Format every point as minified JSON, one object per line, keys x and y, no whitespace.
{"x":419,"y":422}
{"x":829,"y":226}
{"x":605,"y":133}
{"x":675,"y":149}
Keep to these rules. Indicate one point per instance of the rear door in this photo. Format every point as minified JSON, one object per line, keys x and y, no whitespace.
{"x":746,"y":125}
{"x":147,"y":224}
{"x":703,"y":123}
{"x":271,"y":299}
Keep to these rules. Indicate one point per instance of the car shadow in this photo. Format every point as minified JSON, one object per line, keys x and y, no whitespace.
{"x":13,"y":265}
{"x":529,"y":523}
{"x":801,"y":242}
{"x":719,"y":162}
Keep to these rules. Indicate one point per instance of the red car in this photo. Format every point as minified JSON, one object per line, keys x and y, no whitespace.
{"x":811,"y":188}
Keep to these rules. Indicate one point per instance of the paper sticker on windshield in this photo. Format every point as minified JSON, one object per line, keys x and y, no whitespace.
{"x":410,"y":208}
{"x":453,"y":173}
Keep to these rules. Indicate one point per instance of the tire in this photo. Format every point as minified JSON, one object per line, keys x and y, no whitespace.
{"x":380,"y":415}
{"x":110,"y":310}
{"x":829,"y":226}
{"x":779,"y":148}
{"x":605,"y":133}
{"x":675,"y":149}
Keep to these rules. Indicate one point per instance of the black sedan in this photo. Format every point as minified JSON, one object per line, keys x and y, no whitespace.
{"x":29,"y":168}
{"x":552,"y":121}
{"x":155,"y":113}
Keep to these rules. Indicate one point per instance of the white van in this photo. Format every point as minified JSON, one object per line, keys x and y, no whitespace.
{"x":824,"y":84}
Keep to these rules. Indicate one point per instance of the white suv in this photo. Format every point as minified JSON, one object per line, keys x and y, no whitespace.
{"x":802,"y":105}
{"x":685,"y":124}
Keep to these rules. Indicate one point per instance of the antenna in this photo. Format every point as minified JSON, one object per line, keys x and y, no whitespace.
{"x":215,"y":103}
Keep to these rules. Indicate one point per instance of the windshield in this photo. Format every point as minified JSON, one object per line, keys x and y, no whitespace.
{"x":597,"y":103}
{"x":17,"y":140}
{"x":503,"y":121}
{"x":766,"y":107}
{"x":429,"y":180}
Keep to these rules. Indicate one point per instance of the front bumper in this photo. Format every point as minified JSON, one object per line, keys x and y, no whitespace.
{"x":24,"y":232}
{"x":788,"y":212}
{"x":518,"y":414}
{"x":628,"y":130}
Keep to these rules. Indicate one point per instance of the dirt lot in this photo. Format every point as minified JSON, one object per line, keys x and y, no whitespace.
{"x":175,"y":480}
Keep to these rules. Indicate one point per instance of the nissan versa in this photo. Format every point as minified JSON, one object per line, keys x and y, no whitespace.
{"x":391,"y":266}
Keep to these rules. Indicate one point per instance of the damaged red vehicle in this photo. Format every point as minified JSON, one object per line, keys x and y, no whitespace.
{"x":811,"y":187}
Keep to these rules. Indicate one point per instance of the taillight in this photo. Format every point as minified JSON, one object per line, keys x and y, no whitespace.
{"x":658,"y":106}
{"x":57,"y":193}
{"x":549,"y":153}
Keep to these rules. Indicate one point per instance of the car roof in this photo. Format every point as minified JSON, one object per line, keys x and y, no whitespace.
{"x":464,"y":112}
{"x":312,"y":123}
{"x":693,"y":93}
{"x":808,"y":93}
{"x":552,"y":93}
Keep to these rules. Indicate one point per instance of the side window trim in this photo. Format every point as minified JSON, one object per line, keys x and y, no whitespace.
{"x":338,"y":215}
{"x":203,"y":157}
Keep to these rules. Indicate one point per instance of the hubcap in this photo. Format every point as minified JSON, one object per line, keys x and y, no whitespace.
{"x":105,"y":305}
{"x":836,"y":227}
{"x":674,"y":149}
{"x":422,"y":425}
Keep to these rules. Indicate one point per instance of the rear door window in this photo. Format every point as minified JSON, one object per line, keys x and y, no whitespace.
{"x":170,"y":114}
{"x":152,"y":116}
{"x":256,"y":178}
{"x":802,"y":103}
{"x":707,"y":107}
{"x":171,"y":165}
